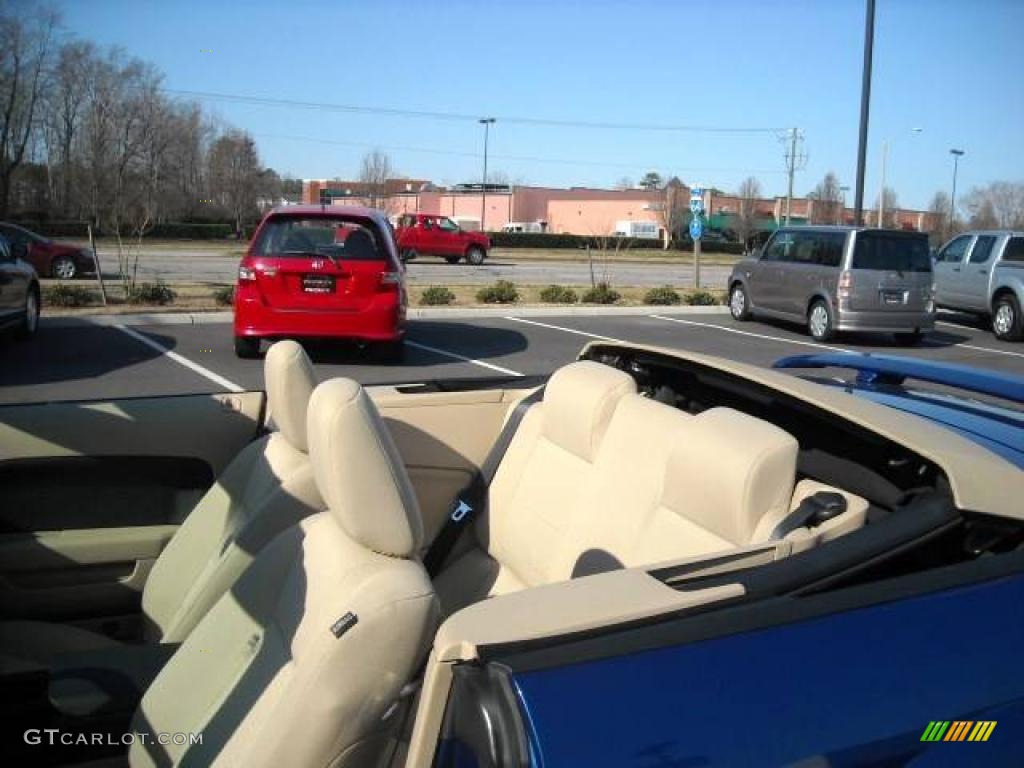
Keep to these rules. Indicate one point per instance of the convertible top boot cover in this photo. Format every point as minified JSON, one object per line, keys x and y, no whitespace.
{"x":301,"y":662}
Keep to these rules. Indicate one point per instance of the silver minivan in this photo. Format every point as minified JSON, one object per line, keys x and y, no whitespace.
{"x":839,"y":279}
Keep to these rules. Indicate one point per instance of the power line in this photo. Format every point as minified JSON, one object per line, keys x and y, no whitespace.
{"x":457,"y":116}
{"x":512,"y":158}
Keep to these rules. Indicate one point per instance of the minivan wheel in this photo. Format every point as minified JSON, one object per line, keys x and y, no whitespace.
{"x":739,"y":306}
{"x":63,"y":268}
{"x":909,"y":339}
{"x":475,"y":256}
{"x":247,"y":347}
{"x":30,"y":323}
{"x":452,"y":259}
{"x":819,"y":321}
{"x":1007,"y":323}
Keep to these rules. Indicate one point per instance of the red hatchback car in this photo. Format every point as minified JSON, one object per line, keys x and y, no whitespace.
{"x":327,"y":272}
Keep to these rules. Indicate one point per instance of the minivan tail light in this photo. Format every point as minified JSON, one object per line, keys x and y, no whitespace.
{"x":845,"y":285}
{"x":246,"y":274}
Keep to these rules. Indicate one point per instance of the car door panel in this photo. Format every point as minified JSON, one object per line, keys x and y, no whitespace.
{"x":948,"y":268}
{"x":90,"y":493}
{"x":442,"y":438}
{"x":974,"y":275}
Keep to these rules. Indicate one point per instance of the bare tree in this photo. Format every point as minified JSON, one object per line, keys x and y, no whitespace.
{"x":64,"y":105}
{"x":746,"y":217}
{"x":234,"y":169}
{"x":938,"y":216}
{"x":624,"y":183}
{"x":25,"y":52}
{"x":373,"y":175}
{"x":673,"y":210}
{"x":1000,"y":204}
{"x":891,"y":203}
{"x":828,"y":200}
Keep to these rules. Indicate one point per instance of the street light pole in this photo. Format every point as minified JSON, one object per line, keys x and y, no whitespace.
{"x":486,"y":122}
{"x":881,"y":191}
{"x":865,"y":101}
{"x":957,"y":154}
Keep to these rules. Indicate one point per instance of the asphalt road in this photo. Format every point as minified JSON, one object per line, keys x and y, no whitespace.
{"x":97,"y":362}
{"x":212,"y":265}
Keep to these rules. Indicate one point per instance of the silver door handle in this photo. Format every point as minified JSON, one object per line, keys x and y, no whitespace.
{"x":956,"y":269}
{"x":982,"y":271}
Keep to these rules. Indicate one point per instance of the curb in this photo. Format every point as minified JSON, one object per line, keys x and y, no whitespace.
{"x":208,"y":318}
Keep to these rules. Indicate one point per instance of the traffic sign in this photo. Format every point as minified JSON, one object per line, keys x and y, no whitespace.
{"x":696,"y":228}
{"x":696,"y":205}
{"x":696,"y":193}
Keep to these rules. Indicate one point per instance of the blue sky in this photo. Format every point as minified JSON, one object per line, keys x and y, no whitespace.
{"x":952,"y":68}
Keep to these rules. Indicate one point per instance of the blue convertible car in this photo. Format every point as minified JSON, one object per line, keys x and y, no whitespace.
{"x":651,"y":558}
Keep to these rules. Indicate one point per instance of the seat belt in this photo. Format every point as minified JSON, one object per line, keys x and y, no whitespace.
{"x":471,"y":501}
{"x":814,"y":510}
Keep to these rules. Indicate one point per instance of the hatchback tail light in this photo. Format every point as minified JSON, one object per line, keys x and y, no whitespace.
{"x":246,"y":274}
{"x":391,"y":278}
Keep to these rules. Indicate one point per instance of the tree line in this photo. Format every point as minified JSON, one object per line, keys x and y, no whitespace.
{"x":86,"y":133}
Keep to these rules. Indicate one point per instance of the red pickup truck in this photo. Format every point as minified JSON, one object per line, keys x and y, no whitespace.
{"x":431,"y":235}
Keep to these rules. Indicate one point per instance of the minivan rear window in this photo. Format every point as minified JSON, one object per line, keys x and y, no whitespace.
{"x":891,"y":252}
{"x":293,"y":237}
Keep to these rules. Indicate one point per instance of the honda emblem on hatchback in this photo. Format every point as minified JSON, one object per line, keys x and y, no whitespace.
{"x":318,"y":263}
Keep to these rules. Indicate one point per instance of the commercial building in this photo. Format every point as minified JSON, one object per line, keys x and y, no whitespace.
{"x":584,"y":210}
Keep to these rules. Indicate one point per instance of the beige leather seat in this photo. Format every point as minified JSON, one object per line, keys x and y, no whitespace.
{"x":301,"y":661}
{"x":268,"y":487}
{"x":598,"y":477}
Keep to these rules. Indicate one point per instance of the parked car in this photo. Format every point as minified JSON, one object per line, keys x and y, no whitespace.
{"x":983,"y":273}
{"x":19,"y":293}
{"x":424,"y":234}
{"x":49,"y":258}
{"x":328,"y":272}
{"x":670,"y":559}
{"x":839,"y":279}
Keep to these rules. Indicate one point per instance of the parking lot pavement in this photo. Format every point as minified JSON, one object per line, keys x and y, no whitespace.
{"x":91,"y":362}
{"x":213,"y":266}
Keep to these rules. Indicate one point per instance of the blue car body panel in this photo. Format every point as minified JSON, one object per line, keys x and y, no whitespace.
{"x":881,"y":379}
{"x":854,"y":688}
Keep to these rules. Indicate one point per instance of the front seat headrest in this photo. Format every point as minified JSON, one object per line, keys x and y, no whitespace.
{"x":290,"y":381}
{"x":578,"y":404}
{"x":359,"y":472}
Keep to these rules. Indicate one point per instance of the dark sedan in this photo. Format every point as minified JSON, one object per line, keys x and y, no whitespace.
{"x":50,"y":258}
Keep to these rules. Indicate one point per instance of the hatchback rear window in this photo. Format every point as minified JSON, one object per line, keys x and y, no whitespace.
{"x":288,"y":236}
{"x":891,"y":252}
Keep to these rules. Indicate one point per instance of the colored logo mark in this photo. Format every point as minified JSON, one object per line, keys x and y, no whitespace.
{"x":958,"y":730}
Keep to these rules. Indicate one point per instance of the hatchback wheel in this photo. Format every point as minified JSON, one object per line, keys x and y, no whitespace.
{"x":63,"y":268}
{"x":739,"y":306}
{"x":30,"y":323}
{"x":452,"y":259}
{"x":408,"y":254}
{"x":475,"y":256}
{"x":819,"y":321}
{"x":1007,"y":323}
{"x":390,"y":351}
{"x":247,"y":347}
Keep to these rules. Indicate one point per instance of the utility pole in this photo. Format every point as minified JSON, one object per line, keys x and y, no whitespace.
{"x":865,"y":101}
{"x":881,"y":190}
{"x":957,"y":154}
{"x":486,"y":122}
{"x":791,"y":161}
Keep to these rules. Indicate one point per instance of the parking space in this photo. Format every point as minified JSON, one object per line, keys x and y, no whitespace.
{"x":91,"y":362}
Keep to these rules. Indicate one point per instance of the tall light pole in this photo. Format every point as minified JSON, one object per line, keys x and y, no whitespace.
{"x":865,"y":101}
{"x":957,"y":154}
{"x":842,"y":204}
{"x":881,"y":190}
{"x":486,"y":122}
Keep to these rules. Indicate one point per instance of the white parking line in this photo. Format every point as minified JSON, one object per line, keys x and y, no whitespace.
{"x":597,"y":336}
{"x":181,"y":360}
{"x":749,"y":333}
{"x":463,"y":358}
{"x":989,"y":349}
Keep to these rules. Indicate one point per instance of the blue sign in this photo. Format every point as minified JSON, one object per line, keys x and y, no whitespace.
{"x":696,"y":228}
{"x":696,"y":205}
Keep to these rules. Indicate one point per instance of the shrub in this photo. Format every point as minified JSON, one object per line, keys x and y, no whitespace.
{"x":551,"y":240}
{"x":558,"y":294}
{"x":501,"y":292}
{"x":436,"y":296}
{"x":174,"y":230}
{"x":602,"y":293}
{"x":702,"y":299}
{"x":152,"y":293}
{"x":225,"y":295}
{"x":61,"y":295}
{"x":663,"y":296}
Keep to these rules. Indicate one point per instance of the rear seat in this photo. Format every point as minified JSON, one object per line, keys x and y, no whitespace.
{"x":599,"y":477}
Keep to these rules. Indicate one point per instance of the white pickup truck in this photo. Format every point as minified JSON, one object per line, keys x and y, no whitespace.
{"x":983,"y":273}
